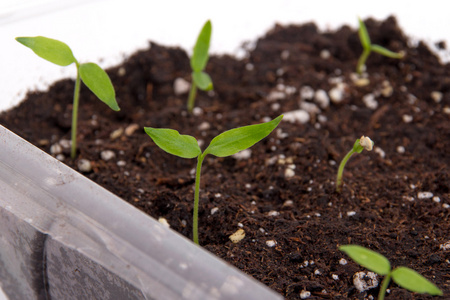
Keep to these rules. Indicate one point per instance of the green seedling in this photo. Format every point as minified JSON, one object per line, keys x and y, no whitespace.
{"x":200,"y":79}
{"x":94,"y":77}
{"x":225,"y":144}
{"x":368,"y":47}
{"x":405,"y":277}
{"x":359,"y":145}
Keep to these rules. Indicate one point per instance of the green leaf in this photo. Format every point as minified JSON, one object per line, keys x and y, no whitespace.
{"x":172,"y":142}
{"x":367,"y":258}
{"x":96,"y":79}
{"x":200,"y":54}
{"x":49,"y":49}
{"x":414,"y":282}
{"x":202,"y":81}
{"x":238,"y":139}
{"x":383,"y":51}
{"x":363,"y":35}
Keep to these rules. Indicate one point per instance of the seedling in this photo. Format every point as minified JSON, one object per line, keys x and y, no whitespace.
{"x":405,"y":277}
{"x":368,"y":47}
{"x":91,"y":74}
{"x":200,"y":56}
{"x":225,"y":144}
{"x":359,"y":145}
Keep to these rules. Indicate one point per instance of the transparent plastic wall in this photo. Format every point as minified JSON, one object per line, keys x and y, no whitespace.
{"x":65,"y":237}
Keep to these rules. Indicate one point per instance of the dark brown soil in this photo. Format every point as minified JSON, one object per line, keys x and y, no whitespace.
{"x":380,"y":205}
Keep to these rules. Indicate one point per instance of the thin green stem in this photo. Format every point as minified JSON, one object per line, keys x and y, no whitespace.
{"x":341,"y":170}
{"x":362,"y":60}
{"x":76,"y":98}
{"x":192,"y":95}
{"x":384,"y":285}
{"x":197,"y":198}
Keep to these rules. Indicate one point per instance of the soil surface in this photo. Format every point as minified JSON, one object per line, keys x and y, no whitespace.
{"x":395,"y":199}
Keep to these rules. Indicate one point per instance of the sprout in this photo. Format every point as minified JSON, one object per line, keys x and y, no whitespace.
{"x":368,"y":47}
{"x":91,"y":74}
{"x":405,"y":277}
{"x":199,"y":59}
{"x":364,"y":143}
{"x":225,"y":144}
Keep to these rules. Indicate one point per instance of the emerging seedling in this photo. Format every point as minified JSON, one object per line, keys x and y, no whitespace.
{"x":368,"y":47}
{"x":405,"y":277}
{"x":200,"y":56}
{"x":225,"y":144}
{"x":359,"y":145}
{"x":91,"y":74}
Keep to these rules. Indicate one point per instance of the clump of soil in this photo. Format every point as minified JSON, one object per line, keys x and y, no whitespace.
{"x":395,"y":199}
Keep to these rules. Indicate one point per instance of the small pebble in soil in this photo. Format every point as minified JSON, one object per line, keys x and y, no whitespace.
{"x":131,"y":129}
{"x":271,"y":243}
{"x":351,"y":213}
{"x":400,"y":149}
{"x":445,"y":205}
{"x":121,"y":163}
{"x":204,"y":126}
{"x":56,"y":149}
{"x":447,"y":110}
{"x":244,"y":154}
{"x":311,"y":108}
{"x":181,"y":86}
{"x":317,"y":272}
{"x":214,"y":210}
{"x":284,"y":54}
{"x":273,"y":213}
{"x":445,"y":246}
{"x":276,"y":95}
{"x":65,"y":143}
{"x":335,"y":277}
{"x":387,"y":90}
{"x":289,"y":173}
{"x":197,"y":111}
{"x":407,"y":118}
{"x":237,"y":236}
{"x":436,"y":199}
{"x":122,"y":71}
{"x":365,"y":281}
{"x":275,"y":106}
{"x":164,"y":222}
{"x":321,"y":98}
{"x":288,"y":203}
{"x":305,"y":294}
{"x":297,"y":116}
{"x":325,"y":54}
{"x":337,"y":94}
{"x":380,"y":152}
{"x":116,"y":133}
{"x":249,"y":67}
{"x":370,"y":101}
{"x":84,"y":165}
{"x":436,"y":96}
{"x":60,"y":157}
{"x":343,"y":261}
{"x":107,"y":155}
{"x":424,"y":195}
{"x":306,"y":93}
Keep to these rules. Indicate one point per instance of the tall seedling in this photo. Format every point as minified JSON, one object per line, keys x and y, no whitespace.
{"x":225,"y":144}
{"x":91,"y":74}
{"x":200,"y":79}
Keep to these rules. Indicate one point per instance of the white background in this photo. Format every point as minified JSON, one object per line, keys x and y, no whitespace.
{"x":104,"y":31}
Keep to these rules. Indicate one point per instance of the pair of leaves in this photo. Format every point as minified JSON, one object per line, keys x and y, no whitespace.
{"x":225,"y":144}
{"x":60,"y":54}
{"x":368,"y":46}
{"x":200,"y":58}
{"x":403,"y":276}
